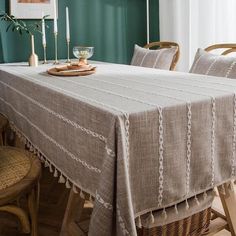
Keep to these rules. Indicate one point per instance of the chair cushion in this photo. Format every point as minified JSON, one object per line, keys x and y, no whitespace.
{"x":158,"y":58}
{"x":14,"y":166}
{"x":216,"y":65}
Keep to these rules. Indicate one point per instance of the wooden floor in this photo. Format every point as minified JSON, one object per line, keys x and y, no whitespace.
{"x":53,"y":200}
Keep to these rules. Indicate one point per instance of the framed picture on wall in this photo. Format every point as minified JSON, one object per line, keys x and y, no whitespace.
{"x":31,"y":9}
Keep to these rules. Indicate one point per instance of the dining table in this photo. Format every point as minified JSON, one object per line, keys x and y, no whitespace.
{"x":136,"y":139}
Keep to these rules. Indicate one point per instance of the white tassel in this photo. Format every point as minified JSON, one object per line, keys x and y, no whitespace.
{"x":176,"y":210}
{"x":205,"y":195}
{"x":187,"y":205}
{"x":82,"y":194}
{"x":222,"y":189}
{"x":164,"y":213}
{"x":31,"y":148}
{"x":50,"y":168}
{"x":55,"y":173}
{"x":46,"y":164}
{"x":196,"y":200}
{"x":139,"y":222}
{"x":68,"y":184}
{"x":61,"y":179}
{"x":215,"y":193}
{"x":231,"y":186}
{"x":74,"y":189}
{"x":41,"y":158}
{"x":151,"y":218}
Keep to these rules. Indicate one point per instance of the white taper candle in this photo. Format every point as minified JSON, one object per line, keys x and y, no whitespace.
{"x":43,"y":31}
{"x":67,"y":25}
{"x":148,"y":25}
{"x":55,"y":16}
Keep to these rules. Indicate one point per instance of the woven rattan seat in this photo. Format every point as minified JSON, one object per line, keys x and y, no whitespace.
{"x":19,"y":176}
{"x":3,"y":126}
{"x":13,"y":167}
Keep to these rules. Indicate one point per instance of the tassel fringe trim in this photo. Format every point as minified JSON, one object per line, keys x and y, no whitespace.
{"x":151,"y":218}
{"x":176,"y":210}
{"x":52,"y":168}
{"x":231,"y":186}
{"x":76,"y":189}
{"x":139,"y":222}
{"x":164,"y":214}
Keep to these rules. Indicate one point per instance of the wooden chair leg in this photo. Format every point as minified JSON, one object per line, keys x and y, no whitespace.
{"x":33,"y":212}
{"x":229,"y":204}
{"x":5,"y":138}
{"x":21,"y":215}
{"x":1,"y":138}
{"x":75,"y":205}
{"x":37,"y":195}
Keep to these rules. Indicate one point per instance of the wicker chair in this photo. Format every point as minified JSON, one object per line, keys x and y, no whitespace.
{"x":214,"y":64}
{"x":166,"y":45}
{"x":230,"y":47}
{"x":184,"y":223}
{"x":3,"y":126}
{"x":19,"y":175}
{"x":195,"y":225}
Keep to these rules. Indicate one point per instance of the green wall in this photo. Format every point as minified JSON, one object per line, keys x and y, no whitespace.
{"x":111,"y":26}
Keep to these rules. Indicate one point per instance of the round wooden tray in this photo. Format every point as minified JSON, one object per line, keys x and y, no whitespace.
{"x":54,"y":71}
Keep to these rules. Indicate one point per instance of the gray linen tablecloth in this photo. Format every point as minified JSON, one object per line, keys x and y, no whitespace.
{"x":136,"y":139}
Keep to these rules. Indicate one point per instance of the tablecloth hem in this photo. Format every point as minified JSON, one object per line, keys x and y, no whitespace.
{"x":173,"y":204}
{"x":58,"y":173}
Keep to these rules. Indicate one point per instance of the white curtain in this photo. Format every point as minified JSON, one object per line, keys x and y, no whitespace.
{"x":196,"y":24}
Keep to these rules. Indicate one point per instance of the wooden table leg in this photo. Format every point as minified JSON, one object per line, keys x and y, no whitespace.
{"x":33,"y":211}
{"x":74,"y":207}
{"x":1,"y":138}
{"x":229,"y":204}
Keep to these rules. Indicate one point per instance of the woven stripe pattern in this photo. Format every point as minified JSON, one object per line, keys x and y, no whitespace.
{"x":136,"y":139}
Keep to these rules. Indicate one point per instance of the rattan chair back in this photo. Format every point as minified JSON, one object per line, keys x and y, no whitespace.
{"x":230,"y":47}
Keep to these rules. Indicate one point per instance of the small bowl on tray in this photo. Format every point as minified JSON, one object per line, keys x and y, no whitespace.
{"x":79,"y":68}
{"x":83,"y":53}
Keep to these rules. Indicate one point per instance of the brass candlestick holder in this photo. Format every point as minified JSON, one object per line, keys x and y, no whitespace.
{"x":45,"y":54}
{"x":56,"y":60}
{"x":68,"y":51}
